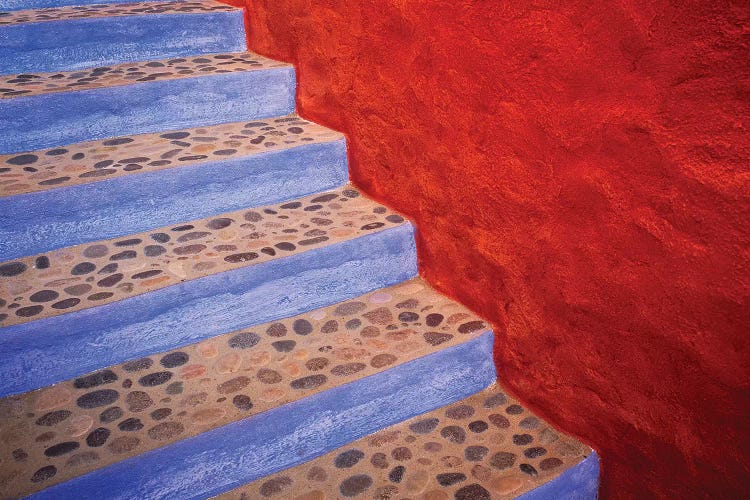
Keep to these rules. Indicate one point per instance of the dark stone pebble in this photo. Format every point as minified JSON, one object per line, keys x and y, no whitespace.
{"x":83,"y":268}
{"x":28,"y":311}
{"x":454,"y":434}
{"x":437,"y":338}
{"x":161,"y":413}
{"x":434,"y":319}
{"x":550,"y":463}
{"x":118,"y":141}
{"x":53,"y":418}
{"x":175,"y":135}
{"x":129,"y":242}
{"x":19,"y":455}
{"x":12,"y":269}
{"x":471,"y":326}
{"x":44,"y":473}
{"x":316,"y":364}
{"x":275,"y":486}
{"x":44,"y":296}
{"x":110,"y":280}
{"x":450,"y":478}
{"x":160,"y":237}
{"x":127,"y":254}
{"x":302,"y":327}
{"x":276,"y":330}
{"x":330,"y":326}
{"x":478,"y":426}
{"x":174,"y":359}
{"x":98,"y":398}
{"x":244,"y":340}
{"x":219,"y":223}
{"x":535,"y":452}
{"x":325,"y":198}
{"x":242,"y":402}
{"x":130,"y":425}
{"x":66,"y":303}
{"x":138,"y":365}
{"x":111,"y":414}
{"x":348,"y":459}
{"x":459,"y":412}
{"x":100,"y":296}
{"x":353,"y":324}
{"x":528,"y":469}
{"x":371,"y":226}
{"x":473,"y":492}
{"x":98,"y":437}
{"x":61,"y":448}
{"x":56,"y":152}
{"x":41,"y":262}
{"x":309,"y":382}
{"x":24,"y":159}
{"x":476,"y":453}
{"x":286,"y":246}
{"x":284,"y":345}
{"x":99,"y":378}
{"x":314,"y":241}
{"x":347,"y":369}
{"x":424,"y":426}
{"x":397,"y":474}
{"x":502,"y":460}
{"x":514,"y":410}
{"x":522,"y":439}
{"x":354,"y":485}
{"x":241,"y":257}
{"x":109,"y":268}
{"x":154,"y":379}
{"x":396,"y":219}
{"x":499,"y":421}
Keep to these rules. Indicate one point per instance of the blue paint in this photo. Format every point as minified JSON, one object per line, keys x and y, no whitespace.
{"x":224,"y":458}
{"x":38,"y":222}
{"x":59,"y":118}
{"x":50,"y":350}
{"x":9,"y":5}
{"x":580,"y":482}
{"x":85,"y":43}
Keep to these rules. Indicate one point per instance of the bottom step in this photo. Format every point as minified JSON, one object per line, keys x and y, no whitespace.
{"x":484,"y":447}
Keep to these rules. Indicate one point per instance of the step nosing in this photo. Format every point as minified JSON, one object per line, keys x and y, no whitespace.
{"x":484,"y":446}
{"x":31,"y":84}
{"x":91,"y":274}
{"x":100,"y":160}
{"x":108,"y":11}
{"x":146,"y":403}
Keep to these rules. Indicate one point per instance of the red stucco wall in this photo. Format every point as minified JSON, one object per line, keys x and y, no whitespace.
{"x":578,"y":171}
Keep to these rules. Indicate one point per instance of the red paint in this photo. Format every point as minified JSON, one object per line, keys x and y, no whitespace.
{"x":579,"y":174}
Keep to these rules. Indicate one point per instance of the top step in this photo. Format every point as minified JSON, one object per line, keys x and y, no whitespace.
{"x":11,"y":5}
{"x":76,"y":37}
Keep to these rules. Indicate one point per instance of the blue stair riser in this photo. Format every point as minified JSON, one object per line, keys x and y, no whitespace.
{"x":51,"y":350}
{"x":9,"y":5}
{"x":60,"y":118}
{"x":580,"y":482}
{"x":39,"y":222}
{"x":226,"y":457}
{"x":84,"y":43}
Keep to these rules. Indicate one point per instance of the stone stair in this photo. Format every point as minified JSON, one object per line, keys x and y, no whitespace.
{"x":194,"y":301}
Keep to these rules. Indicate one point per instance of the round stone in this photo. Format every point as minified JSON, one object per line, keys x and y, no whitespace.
{"x":550,"y":463}
{"x":354,"y":485}
{"x":154,"y":379}
{"x":348,"y":459}
{"x":476,"y":453}
{"x":450,"y":478}
{"x":242,"y":402}
{"x":111,"y":414}
{"x":53,"y":418}
{"x":424,"y":426}
{"x":44,"y":473}
{"x":535,"y":452}
{"x":138,"y":365}
{"x":401,"y":453}
{"x":161,"y":413}
{"x":454,"y":434}
{"x":61,"y":448}
{"x":528,"y":469}
{"x":522,"y":439}
{"x":12,"y":269}
{"x":275,"y":486}
{"x":478,"y":426}
{"x":302,"y":327}
{"x":95,"y":251}
{"x":502,"y":460}
{"x":309,"y":382}
{"x":397,"y":474}
{"x":98,"y":437}
{"x":276,"y":330}
{"x":44,"y":296}
{"x":244,"y":340}
{"x":316,"y":364}
{"x":347,"y":369}
{"x":165,"y":431}
{"x":495,"y":400}
{"x":514,"y":410}
{"x":124,"y":444}
{"x":284,"y":345}
{"x":174,"y":359}
{"x":473,"y":492}
{"x":83,"y":268}
{"x":95,"y":379}
{"x":268,"y":376}
{"x":499,"y":421}
{"x":379,"y":460}
{"x":233,"y":385}
{"x":436,"y":338}
{"x":459,"y":412}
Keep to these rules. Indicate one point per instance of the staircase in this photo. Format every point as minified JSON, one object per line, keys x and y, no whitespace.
{"x":194,"y":302}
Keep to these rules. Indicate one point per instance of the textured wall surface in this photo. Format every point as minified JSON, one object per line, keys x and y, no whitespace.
{"x":578,"y":171}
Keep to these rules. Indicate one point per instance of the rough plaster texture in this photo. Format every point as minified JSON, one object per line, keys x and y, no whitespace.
{"x":578,"y":172}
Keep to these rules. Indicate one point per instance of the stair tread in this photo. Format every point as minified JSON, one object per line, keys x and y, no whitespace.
{"x":55,"y":433}
{"x":128,"y":73}
{"x":102,"y":272}
{"x":93,"y":161}
{"x":111,"y":10}
{"x":485,"y":446}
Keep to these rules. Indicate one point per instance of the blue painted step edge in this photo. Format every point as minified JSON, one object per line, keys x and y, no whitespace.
{"x":580,"y":482}
{"x":9,"y":5}
{"x":224,"y":458}
{"x":61,"y":118}
{"x":71,"y":44}
{"x":50,"y":350}
{"x":39,"y":222}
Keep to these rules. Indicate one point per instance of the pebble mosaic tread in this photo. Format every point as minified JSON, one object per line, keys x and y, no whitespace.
{"x":111,"y":10}
{"x":93,"y":161}
{"x":97,"y":273}
{"x":63,"y":431}
{"x":29,"y":84}
{"x":485,"y":447}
